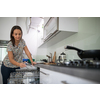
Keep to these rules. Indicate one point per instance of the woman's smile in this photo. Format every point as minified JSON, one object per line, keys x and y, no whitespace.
{"x":17,"y":34}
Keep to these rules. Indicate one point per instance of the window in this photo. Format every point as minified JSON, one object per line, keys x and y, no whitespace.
{"x":3,"y":53}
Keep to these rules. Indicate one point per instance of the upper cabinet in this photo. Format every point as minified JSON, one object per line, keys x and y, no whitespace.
{"x":58,"y":28}
{"x":46,"y":19}
{"x":6,"y":23}
{"x":50,"y":27}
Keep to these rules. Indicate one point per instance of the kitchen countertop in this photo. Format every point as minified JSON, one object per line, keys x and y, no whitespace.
{"x":90,"y":74}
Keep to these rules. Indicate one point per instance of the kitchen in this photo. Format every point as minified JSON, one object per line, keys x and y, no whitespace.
{"x":47,"y":37}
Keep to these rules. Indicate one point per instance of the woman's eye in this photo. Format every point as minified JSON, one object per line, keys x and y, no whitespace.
{"x":19,"y":33}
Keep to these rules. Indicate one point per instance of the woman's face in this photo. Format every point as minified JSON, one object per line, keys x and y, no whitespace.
{"x":17,"y":34}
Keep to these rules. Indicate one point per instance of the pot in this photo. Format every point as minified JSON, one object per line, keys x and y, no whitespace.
{"x":94,"y":54}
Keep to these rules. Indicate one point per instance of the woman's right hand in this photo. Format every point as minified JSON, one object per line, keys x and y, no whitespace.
{"x":22,"y":65}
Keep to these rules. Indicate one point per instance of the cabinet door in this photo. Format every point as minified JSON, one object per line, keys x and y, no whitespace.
{"x":46,"y":20}
{"x":69,"y":24}
{"x":44,"y":76}
{"x":50,"y":27}
{"x":52,"y":77}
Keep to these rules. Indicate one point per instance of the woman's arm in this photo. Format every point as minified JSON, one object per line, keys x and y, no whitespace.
{"x":28,"y":54}
{"x":10,"y":55}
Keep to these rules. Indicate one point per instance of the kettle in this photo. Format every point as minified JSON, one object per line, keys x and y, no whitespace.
{"x":62,"y":57}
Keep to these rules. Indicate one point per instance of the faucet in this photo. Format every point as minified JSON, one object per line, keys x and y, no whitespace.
{"x":51,"y":57}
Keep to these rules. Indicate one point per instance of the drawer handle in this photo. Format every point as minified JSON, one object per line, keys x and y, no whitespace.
{"x":64,"y":82}
{"x":44,"y":73}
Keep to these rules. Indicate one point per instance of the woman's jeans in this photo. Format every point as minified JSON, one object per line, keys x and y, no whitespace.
{"x":5,"y":71}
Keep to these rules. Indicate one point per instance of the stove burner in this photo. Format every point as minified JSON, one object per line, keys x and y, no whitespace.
{"x":84,"y":63}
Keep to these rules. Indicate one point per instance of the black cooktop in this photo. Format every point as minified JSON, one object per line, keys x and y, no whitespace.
{"x":72,"y":66}
{"x":77,"y":63}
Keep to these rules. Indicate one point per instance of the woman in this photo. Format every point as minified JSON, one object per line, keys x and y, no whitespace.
{"x":13,"y":59}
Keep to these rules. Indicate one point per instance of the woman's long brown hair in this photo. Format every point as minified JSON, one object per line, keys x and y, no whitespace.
{"x":12,"y":30}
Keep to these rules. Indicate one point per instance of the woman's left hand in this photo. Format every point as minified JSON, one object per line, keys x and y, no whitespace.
{"x":33,"y":63}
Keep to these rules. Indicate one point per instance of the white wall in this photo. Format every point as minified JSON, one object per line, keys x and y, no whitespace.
{"x":31,"y":41}
{"x":21,"y":21}
{"x":6,"y":23}
{"x":32,"y":38}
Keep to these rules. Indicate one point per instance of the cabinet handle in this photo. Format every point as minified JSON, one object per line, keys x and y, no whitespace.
{"x":64,"y":82}
{"x":44,"y":73}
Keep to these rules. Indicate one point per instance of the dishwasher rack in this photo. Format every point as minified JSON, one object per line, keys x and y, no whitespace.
{"x":26,"y":75}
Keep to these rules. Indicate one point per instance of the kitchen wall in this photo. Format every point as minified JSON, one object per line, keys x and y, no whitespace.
{"x":31,"y":41}
{"x":21,"y":21}
{"x":28,"y":34}
{"x":88,"y":37}
{"x":34,"y":33}
{"x":6,"y":23}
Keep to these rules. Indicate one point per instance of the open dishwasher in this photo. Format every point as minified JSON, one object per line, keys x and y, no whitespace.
{"x":27,"y":75}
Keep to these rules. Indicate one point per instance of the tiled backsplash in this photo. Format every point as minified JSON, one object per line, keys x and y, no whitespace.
{"x":88,"y":37}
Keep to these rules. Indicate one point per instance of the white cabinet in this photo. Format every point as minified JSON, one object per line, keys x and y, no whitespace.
{"x":50,"y":27}
{"x":58,"y":28}
{"x":52,"y":77}
{"x":46,"y":19}
{"x":44,"y":76}
{"x":6,"y":23}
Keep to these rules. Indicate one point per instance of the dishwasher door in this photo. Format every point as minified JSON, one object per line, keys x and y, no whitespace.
{"x":25,"y":76}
